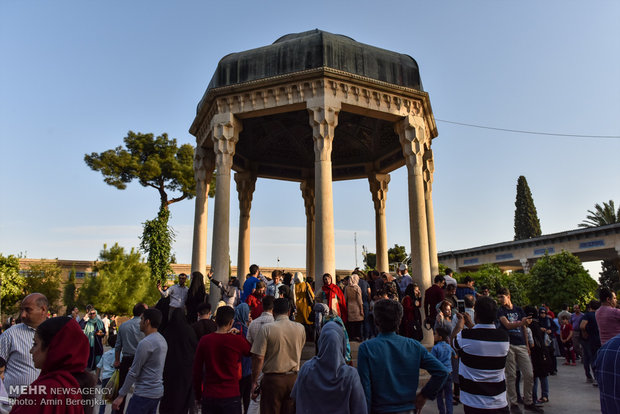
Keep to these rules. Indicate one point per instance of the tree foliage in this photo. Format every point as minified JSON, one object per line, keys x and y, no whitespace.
{"x":156,"y":242}
{"x":560,"y":279}
{"x":68,"y":295}
{"x":122,"y":280}
{"x":12,"y":284}
{"x":491,"y":275}
{"x":609,"y":275}
{"x":397,"y":254}
{"x":370,"y":259}
{"x":155,"y":162}
{"x":526,"y":224}
{"x":46,"y":278}
{"x":602,"y":215}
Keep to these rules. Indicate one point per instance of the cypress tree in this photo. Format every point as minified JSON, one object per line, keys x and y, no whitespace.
{"x":527,"y":224}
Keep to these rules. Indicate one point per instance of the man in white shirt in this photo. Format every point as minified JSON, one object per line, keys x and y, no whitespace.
{"x":265,"y":318}
{"x":177,"y":293}
{"x":448,"y":277}
{"x":15,"y":344}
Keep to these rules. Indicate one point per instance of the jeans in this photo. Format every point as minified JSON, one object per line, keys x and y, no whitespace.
{"x":102,"y":406}
{"x":366,"y":326}
{"x":589,"y":356}
{"x":544,"y":387}
{"x":142,"y":405}
{"x":519,"y":357}
{"x":444,"y":398}
{"x":221,"y":405}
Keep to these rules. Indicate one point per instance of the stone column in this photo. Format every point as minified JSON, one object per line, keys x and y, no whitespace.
{"x":204,"y":163}
{"x":378,"y":188}
{"x":225,"y":135}
{"x":323,"y":120}
{"x":411,"y":133}
{"x":429,"y":169}
{"x":307,"y":192}
{"x":245,"y":188}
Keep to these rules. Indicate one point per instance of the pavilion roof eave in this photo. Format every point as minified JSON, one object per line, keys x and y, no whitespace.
{"x":208,"y":99}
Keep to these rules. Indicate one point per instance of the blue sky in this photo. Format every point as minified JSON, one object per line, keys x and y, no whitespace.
{"x":77,"y":75}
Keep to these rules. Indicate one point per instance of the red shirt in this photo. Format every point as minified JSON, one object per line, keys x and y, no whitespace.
{"x":256,"y":306}
{"x":217,"y":365}
{"x":566,"y":330}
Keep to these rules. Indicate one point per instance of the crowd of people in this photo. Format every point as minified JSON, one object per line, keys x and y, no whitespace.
{"x":245,"y":355}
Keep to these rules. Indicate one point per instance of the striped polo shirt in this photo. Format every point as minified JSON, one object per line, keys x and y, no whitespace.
{"x":482,"y":352}
{"x":15,"y":344}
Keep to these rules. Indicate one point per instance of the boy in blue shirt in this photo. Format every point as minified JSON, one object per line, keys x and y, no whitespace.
{"x":105,"y":368}
{"x":444,"y":353}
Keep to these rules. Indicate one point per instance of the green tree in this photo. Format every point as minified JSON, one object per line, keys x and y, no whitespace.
{"x":491,"y":275}
{"x":12,"y":284}
{"x":122,"y":280}
{"x":68,"y":296}
{"x":397,"y":254}
{"x":46,"y":278}
{"x":609,"y":275}
{"x":159,"y":163}
{"x":602,"y":215}
{"x":370,"y":259}
{"x":560,"y":279}
{"x":527,"y":224}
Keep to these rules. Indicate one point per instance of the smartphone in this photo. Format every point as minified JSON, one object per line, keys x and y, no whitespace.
{"x":460,"y":305}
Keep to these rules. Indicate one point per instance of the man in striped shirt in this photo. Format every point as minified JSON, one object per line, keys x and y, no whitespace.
{"x":482,"y":351}
{"x":15,"y":344}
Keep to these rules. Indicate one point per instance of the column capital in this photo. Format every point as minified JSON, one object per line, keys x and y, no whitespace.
{"x":204,"y":164}
{"x":307,"y":193}
{"x":246,"y":183}
{"x":226,"y":129}
{"x":323,"y":120}
{"x":411,"y":133}
{"x":378,"y":189}
{"x":428,"y":171}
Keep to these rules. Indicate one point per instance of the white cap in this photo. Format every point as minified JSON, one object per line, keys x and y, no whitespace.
{"x":402,"y":267}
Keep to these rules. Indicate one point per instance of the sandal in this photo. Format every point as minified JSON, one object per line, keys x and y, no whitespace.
{"x":542,"y":400}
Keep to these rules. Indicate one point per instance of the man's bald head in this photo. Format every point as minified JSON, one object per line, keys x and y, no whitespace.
{"x":34,"y":309}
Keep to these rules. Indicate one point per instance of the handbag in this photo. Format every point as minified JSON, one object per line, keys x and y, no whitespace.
{"x":110,"y":391}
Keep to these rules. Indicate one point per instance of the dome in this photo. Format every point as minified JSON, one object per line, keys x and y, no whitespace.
{"x":315,"y":49}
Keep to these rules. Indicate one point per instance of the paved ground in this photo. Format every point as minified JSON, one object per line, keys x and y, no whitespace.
{"x":568,"y":394}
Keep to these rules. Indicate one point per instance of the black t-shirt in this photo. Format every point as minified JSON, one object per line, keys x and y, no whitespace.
{"x":513,"y":315}
{"x":592,"y":328}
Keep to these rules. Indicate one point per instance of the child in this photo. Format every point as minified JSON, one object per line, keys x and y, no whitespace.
{"x":444,"y":353}
{"x":567,"y":340}
{"x":105,"y":367}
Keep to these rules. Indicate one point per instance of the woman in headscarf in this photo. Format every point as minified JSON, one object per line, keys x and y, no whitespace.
{"x":332,"y":296}
{"x":326,"y":384}
{"x":195,"y":296}
{"x":304,"y":299}
{"x":355,"y":308}
{"x":242,"y":321}
{"x":182,"y":342}
{"x":94,"y":331}
{"x":412,"y":318}
{"x":61,"y":352}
